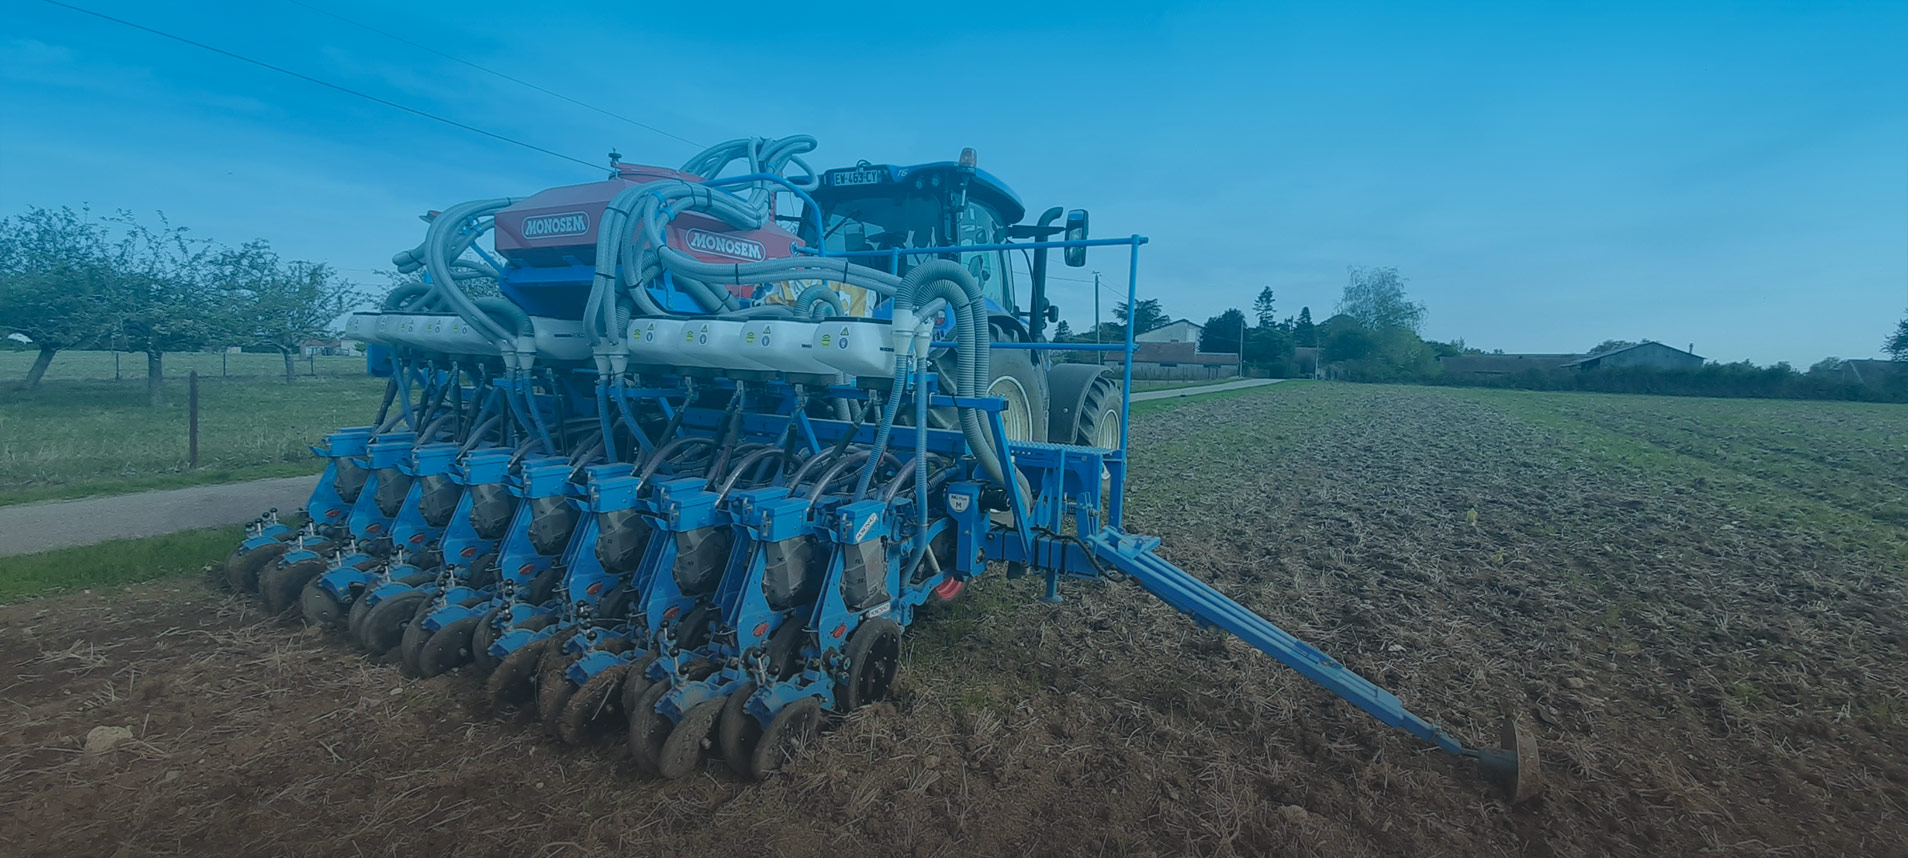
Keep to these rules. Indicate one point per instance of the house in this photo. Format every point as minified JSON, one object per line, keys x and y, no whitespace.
{"x":1644,"y":354}
{"x":328,"y":347}
{"x":1178,"y":362}
{"x":1176,"y":331}
{"x":1497,"y":366}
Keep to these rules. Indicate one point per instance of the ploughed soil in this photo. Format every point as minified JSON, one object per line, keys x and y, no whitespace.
{"x":1711,"y":666}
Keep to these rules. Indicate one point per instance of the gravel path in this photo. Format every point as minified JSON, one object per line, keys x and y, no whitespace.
{"x":32,"y":528}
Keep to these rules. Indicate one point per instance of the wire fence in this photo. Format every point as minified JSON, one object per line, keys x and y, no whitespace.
{"x":131,"y":366}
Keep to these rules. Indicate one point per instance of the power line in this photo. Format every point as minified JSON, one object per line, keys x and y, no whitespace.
{"x":327,"y":84}
{"x":490,"y":71}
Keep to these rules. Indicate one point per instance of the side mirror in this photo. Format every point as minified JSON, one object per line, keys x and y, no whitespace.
{"x":1076,"y":231}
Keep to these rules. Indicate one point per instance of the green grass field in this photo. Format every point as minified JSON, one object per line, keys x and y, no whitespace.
{"x":98,"y":366}
{"x":79,"y":438}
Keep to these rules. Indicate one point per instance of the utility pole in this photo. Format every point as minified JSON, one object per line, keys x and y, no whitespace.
{"x":1096,"y":308}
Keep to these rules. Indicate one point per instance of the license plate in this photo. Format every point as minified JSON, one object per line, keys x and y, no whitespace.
{"x":859,"y":177}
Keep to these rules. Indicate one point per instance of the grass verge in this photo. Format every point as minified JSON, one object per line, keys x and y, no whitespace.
{"x":75,"y":439}
{"x":113,"y":563}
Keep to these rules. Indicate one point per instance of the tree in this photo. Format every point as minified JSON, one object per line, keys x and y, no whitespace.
{"x":1304,"y":333}
{"x":55,"y":279}
{"x":1897,"y":343}
{"x":1269,"y":350}
{"x":1610,"y":346}
{"x":1262,"y":308}
{"x":276,"y":303}
{"x":1062,"y":332}
{"x":160,"y":297}
{"x":1375,"y":298}
{"x":1827,"y":366}
{"x":1147,"y":315}
{"x":1224,"y":333}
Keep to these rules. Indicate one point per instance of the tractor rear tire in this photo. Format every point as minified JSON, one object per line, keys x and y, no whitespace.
{"x":1086,"y":406}
{"x":1024,"y":387}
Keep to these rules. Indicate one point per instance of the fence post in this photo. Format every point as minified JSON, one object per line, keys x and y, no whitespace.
{"x":311,"y":365}
{"x":115,"y":364}
{"x":192,"y":421}
{"x":222,"y":356}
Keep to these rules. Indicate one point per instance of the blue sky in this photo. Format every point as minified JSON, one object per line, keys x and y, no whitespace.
{"x":1545,"y":176}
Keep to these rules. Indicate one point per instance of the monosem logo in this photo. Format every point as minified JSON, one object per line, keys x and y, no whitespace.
{"x":725,"y":245}
{"x":556,"y":225}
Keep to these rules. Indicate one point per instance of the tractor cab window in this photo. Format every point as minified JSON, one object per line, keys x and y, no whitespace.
{"x":882,"y":223}
{"x":980,"y":224}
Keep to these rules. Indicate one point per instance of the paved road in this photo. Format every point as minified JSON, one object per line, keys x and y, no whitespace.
{"x":31,"y":528}
{"x":1242,"y":384}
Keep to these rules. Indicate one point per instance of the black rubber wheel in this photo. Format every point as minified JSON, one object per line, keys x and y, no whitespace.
{"x":874,"y":656}
{"x":281,"y":585}
{"x":1100,"y":416}
{"x":592,"y":710}
{"x":385,"y":623}
{"x":1024,"y":387}
{"x":241,"y":570}
{"x":554,"y":688}
{"x":511,"y":683}
{"x":354,"y":619}
{"x":689,"y":742}
{"x":785,"y":736}
{"x":411,"y":643}
{"x":737,"y":732}
{"x":320,"y":608}
{"x":481,"y":638}
{"x":1085,"y":406}
{"x":648,"y":729}
{"x":448,"y":648}
{"x":636,"y":681}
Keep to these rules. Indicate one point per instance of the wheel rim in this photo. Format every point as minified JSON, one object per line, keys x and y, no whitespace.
{"x":1018,"y":417}
{"x":874,"y":676}
{"x":1106,"y":432}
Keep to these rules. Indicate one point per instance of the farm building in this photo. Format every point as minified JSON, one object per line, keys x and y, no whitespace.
{"x":1645,"y":354}
{"x":1495,"y":366}
{"x":1873,"y":373}
{"x":1179,"y":362}
{"x":1176,"y":331}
